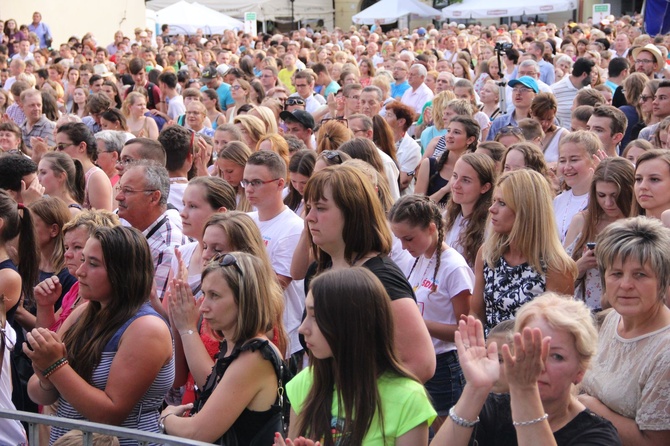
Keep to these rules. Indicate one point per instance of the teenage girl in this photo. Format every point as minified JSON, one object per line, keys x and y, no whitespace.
{"x":442,"y":282}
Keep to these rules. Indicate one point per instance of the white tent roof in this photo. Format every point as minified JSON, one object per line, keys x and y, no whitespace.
{"x":186,"y":17}
{"x":389,"y":11}
{"x":482,"y":9}
{"x":264,"y":9}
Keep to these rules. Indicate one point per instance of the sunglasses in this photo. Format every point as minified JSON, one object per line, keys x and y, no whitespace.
{"x":295,"y":101}
{"x":332,"y":155}
{"x":225,"y":260}
{"x":510,"y":129}
{"x":344,"y":121}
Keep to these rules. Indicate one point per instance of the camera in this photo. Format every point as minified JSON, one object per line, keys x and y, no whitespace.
{"x":503,"y":46}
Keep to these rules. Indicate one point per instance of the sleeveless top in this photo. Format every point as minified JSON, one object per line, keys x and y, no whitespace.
{"x":250,"y":422}
{"x":87,"y":176}
{"x":436,"y":182}
{"x":144,"y":415}
{"x":507,"y":288}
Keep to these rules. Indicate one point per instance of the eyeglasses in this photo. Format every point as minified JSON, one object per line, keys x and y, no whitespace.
{"x":128,"y":191}
{"x":295,"y":101}
{"x":644,"y":61}
{"x":521,"y":90}
{"x":235,"y":87}
{"x":332,"y":155}
{"x":194,"y":113}
{"x":125,"y":161}
{"x":228,"y":260}
{"x":256,"y":183}
{"x":344,"y":121}
{"x":301,"y":85}
{"x":645,"y":98}
{"x":60,"y":147}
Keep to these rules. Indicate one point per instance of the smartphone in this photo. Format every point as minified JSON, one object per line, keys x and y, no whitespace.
{"x":591,"y":245}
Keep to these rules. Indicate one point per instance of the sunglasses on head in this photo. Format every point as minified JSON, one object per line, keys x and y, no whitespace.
{"x":225,"y":260}
{"x":510,"y":129}
{"x":295,"y":101}
{"x":332,"y":155}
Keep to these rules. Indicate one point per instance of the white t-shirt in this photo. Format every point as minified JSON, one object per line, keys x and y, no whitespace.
{"x":186,"y":252}
{"x":11,"y":431}
{"x":409,"y":158}
{"x":281,"y":235}
{"x":176,"y":107}
{"x":392,"y":174}
{"x":451,"y":237}
{"x":176,"y":195}
{"x":566,"y":206}
{"x":453,"y":277}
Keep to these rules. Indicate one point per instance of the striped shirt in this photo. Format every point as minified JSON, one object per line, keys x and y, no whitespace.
{"x":163,"y":238}
{"x":144,"y":416}
{"x":565,"y":93}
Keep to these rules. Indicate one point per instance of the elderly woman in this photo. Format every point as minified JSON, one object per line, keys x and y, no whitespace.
{"x":629,"y":383}
{"x":554,"y":342}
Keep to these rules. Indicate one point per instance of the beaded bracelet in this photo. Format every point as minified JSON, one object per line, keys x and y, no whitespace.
{"x":461,"y":421}
{"x":528,"y":423}
{"x":57,"y":365}
{"x":53,"y":366}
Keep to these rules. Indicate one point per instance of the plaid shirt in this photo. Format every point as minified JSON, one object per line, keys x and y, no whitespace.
{"x":16,"y":114}
{"x":42,"y":128}
{"x":162,"y":242}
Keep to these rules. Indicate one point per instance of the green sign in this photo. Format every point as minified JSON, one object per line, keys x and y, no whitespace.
{"x":248,"y":16}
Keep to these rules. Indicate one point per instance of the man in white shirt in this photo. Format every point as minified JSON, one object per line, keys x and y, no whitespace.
{"x":167,"y":82}
{"x":304,"y":85}
{"x":566,"y":89}
{"x":264,"y":181}
{"x":418,"y":93}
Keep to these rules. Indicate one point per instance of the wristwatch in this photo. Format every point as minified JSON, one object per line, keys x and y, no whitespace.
{"x":161,"y":422}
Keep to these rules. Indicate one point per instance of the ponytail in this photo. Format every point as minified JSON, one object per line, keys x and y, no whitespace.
{"x":77,"y":185}
{"x":28,"y":255}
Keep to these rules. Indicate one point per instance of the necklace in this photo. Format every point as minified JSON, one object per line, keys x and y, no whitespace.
{"x":422,"y":278}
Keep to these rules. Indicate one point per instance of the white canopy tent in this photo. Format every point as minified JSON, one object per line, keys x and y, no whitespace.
{"x":266,"y":9}
{"x":389,"y":11}
{"x":482,"y":9}
{"x":185,"y":17}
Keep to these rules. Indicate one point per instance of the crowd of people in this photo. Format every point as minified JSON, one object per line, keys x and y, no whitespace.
{"x":454,"y":234}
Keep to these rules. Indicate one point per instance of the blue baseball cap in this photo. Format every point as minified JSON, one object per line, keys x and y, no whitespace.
{"x":526,"y":81}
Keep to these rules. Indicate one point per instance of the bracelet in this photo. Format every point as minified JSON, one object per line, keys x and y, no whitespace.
{"x":161,"y":422}
{"x":44,"y":388}
{"x":61,"y":362}
{"x":528,"y":423}
{"x":461,"y":421}
{"x":186,"y":332}
{"x":53,"y":366}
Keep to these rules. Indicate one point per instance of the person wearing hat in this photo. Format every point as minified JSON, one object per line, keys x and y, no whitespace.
{"x":566,"y":89}
{"x":524,"y":90}
{"x":648,"y":60}
{"x":211,"y":78}
{"x":300,"y":124}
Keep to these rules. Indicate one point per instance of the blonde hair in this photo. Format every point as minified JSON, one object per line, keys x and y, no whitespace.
{"x":534,"y":232}
{"x":76,"y":438}
{"x":440,"y":102}
{"x":563,"y":313}
{"x":279,"y":145}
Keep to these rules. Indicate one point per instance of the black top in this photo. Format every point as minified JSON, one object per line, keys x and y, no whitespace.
{"x":436,"y":182}
{"x":249,"y":423}
{"x":66,"y":280}
{"x":495,"y":427}
{"x":386,"y":270}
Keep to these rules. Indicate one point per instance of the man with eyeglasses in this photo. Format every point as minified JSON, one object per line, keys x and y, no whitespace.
{"x":352,"y":99}
{"x":264,"y":181}
{"x":268,"y":78}
{"x":524,"y":90}
{"x":648,"y":60}
{"x":567,"y":88}
{"x":304,"y":85}
{"x":527,"y":67}
{"x":143,"y":197}
{"x":401,"y":84}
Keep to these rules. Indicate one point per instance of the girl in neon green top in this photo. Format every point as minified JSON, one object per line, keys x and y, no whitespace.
{"x":349,"y":333}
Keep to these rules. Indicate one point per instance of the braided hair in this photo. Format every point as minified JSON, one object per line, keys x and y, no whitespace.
{"x":419,"y":210}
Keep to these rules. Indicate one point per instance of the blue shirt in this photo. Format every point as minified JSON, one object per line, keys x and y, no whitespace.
{"x":500,"y":122}
{"x":225,"y":98}
{"x":42,"y":30}
{"x":547,"y":74}
{"x":397,"y":90}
